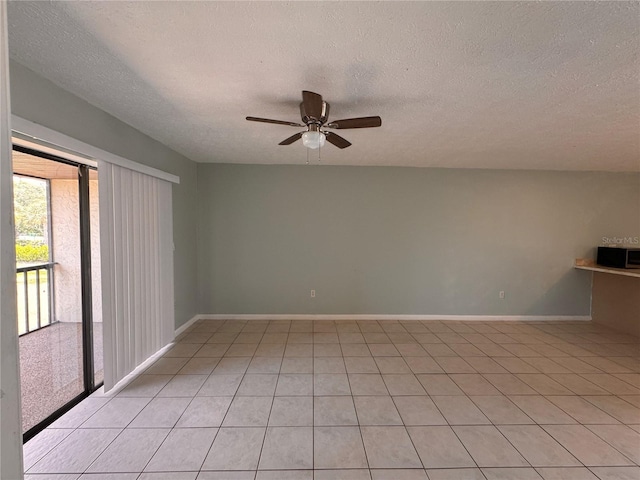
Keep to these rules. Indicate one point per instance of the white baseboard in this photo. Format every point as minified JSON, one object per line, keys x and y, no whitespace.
{"x":138,"y":370}
{"x":443,"y":318}
{"x":186,"y":325}
{"x":144,"y":365}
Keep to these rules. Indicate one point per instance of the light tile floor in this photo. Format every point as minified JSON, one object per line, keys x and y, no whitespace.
{"x":371,"y":400}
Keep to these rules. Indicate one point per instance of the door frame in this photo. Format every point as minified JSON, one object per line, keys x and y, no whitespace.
{"x":88,"y":366}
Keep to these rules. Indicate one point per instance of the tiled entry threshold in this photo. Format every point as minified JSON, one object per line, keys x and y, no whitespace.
{"x":375,"y":400}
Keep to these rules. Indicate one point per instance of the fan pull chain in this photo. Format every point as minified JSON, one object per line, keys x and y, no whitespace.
{"x":307,"y":156}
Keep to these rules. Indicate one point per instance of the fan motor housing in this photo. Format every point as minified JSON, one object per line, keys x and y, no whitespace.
{"x":323,"y":117}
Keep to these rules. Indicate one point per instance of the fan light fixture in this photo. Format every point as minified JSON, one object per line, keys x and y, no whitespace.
{"x":314,"y":113}
{"x":313,"y":140}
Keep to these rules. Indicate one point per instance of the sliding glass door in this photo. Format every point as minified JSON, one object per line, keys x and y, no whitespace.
{"x":55,"y":202}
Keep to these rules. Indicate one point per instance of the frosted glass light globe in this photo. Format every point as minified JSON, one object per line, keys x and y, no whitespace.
{"x":313,"y":140}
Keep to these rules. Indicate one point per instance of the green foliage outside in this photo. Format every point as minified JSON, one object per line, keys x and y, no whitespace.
{"x":30,"y":207}
{"x":29,"y":252}
{"x":31,"y":216}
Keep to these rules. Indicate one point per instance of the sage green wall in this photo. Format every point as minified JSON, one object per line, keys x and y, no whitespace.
{"x":39,"y":100}
{"x":376,"y":240}
{"x":384,"y":240}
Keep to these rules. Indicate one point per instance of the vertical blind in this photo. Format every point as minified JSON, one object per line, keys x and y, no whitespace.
{"x":136,"y":238}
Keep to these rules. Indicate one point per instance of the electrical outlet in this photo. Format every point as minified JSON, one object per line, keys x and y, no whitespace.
{"x":313,"y":294}
{"x":502,"y":294}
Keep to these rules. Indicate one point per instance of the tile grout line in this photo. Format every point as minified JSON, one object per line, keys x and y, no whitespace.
{"x":273,"y":397}
{"x":204,"y":459}
{"x":194,"y":397}
{"x":364,"y":447}
{"x":171,"y":429}
{"x":196,"y":394}
{"x":313,"y":404}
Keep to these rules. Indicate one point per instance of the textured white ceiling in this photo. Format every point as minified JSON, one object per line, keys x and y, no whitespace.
{"x":535,"y":85}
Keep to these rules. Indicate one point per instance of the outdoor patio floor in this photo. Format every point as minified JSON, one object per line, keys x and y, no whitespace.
{"x":51,"y":368}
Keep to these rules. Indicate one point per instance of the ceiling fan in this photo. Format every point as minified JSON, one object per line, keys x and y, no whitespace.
{"x":315,"y":115}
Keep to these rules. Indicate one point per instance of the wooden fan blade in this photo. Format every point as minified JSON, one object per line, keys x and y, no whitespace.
{"x":362,"y":122}
{"x":337,"y":140}
{"x":291,"y":139}
{"x":277,"y":122}
{"x":312,"y":103}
